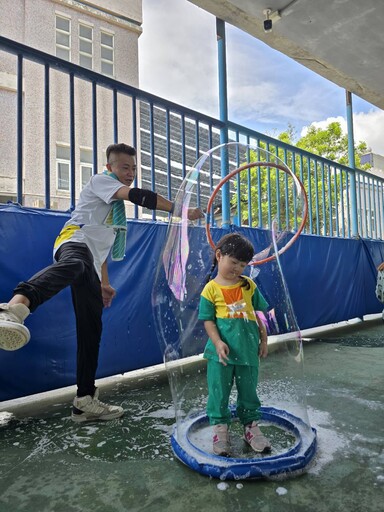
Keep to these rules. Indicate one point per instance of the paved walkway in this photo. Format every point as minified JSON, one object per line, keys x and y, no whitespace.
{"x":49,"y":464}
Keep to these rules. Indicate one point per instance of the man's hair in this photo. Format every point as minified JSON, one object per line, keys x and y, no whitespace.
{"x":120,"y":148}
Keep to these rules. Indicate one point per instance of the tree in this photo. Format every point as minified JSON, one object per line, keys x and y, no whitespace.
{"x":332,"y":143}
{"x":272,"y":195}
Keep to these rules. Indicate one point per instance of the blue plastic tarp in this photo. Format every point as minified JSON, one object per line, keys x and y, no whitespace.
{"x":329,"y":280}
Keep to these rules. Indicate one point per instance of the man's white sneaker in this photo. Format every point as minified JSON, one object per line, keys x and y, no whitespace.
{"x":88,"y":408}
{"x":13,"y":334}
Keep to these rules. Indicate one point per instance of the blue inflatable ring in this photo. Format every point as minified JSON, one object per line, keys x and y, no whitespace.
{"x":292,"y":461}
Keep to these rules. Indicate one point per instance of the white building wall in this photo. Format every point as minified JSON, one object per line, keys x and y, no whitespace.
{"x":32,"y":22}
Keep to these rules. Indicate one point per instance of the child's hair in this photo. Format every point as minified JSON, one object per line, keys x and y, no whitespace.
{"x":238,"y":247}
{"x":120,"y":148}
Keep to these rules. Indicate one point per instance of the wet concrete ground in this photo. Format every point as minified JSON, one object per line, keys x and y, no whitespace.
{"x":49,"y":464}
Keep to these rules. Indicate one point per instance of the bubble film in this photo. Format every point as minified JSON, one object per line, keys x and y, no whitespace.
{"x":267,"y":204}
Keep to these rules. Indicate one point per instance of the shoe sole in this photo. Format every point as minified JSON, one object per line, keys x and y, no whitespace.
{"x":266,"y":449}
{"x":222,"y":454}
{"x":13,"y":336}
{"x":80,"y":418}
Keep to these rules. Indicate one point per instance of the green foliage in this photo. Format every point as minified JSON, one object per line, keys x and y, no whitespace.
{"x":331,"y":143}
{"x":270,"y":191}
{"x":272,"y":194}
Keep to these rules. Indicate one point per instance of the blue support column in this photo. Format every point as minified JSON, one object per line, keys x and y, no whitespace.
{"x":351,"y":158}
{"x":223,"y":106}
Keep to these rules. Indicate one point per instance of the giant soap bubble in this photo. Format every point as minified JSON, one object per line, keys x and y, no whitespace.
{"x":250,"y":183}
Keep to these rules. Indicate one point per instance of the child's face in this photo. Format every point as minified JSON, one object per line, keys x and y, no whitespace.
{"x":123,"y":166}
{"x":229,"y":268}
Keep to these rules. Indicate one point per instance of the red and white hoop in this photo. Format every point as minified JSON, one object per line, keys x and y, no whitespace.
{"x":243,"y":168}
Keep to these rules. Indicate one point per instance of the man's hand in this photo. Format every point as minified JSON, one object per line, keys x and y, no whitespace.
{"x":381,"y":266}
{"x":195,"y":213}
{"x":108,"y":293}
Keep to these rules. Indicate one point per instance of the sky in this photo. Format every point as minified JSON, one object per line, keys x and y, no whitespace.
{"x":267,"y":91}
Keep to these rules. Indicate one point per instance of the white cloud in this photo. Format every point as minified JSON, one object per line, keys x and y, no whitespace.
{"x":323,"y":124}
{"x":178,"y":54}
{"x":367,"y":127}
{"x":266,"y":90}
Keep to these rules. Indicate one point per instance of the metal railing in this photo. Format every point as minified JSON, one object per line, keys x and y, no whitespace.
{"x":169,"y":139}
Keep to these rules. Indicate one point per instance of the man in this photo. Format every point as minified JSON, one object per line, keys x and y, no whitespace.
{"x":96,"y":226}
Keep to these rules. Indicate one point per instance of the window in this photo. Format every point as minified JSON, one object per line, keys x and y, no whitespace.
{"x":63,"y":167}
{"x":63,"y":38}
{"x":85,"y":46}
{"x":107,"y":54}
{"x":86,"y":166}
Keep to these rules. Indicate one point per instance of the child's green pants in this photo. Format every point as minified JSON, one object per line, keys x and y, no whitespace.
{"x":220,"y":381}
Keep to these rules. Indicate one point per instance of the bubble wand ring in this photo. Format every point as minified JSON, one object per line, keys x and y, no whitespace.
{"x":243,"y":168}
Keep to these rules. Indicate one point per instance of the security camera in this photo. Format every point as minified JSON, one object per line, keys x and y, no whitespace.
{"x":268,"y":21}
{"x":267,"y":25}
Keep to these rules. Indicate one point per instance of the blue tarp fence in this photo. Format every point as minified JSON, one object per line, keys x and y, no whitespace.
{"x":329,"y":280}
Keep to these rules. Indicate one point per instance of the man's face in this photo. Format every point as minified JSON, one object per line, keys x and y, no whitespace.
{"x":123,"y":166}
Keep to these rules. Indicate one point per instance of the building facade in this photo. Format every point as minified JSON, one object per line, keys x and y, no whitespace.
{"x":98,"y":35}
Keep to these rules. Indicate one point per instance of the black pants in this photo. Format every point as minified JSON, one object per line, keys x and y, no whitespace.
{"x":74,"y":268}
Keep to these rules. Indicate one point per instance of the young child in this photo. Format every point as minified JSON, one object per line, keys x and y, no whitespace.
{"x":237,"y":338}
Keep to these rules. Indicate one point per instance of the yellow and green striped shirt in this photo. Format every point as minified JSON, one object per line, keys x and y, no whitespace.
{"x":233,"y":308}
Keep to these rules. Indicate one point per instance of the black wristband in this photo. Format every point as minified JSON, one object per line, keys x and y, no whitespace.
{"x":143,"y":197}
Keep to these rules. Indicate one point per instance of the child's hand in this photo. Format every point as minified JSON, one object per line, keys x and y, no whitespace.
{"x":263,"y":349}
{"x":222,"y":351}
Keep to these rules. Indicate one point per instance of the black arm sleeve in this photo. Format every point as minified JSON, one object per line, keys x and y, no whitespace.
{"x":142,"y":197}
